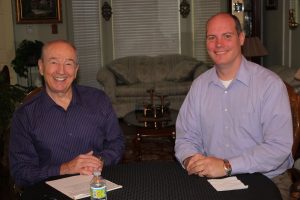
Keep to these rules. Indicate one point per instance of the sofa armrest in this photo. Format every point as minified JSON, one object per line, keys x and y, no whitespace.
{"x":108,"y":81}
{"x":295,"y":190}
{"x":201,"y":67}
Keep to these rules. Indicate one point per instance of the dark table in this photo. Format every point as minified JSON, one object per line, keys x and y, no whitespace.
{"x":163,"y":180}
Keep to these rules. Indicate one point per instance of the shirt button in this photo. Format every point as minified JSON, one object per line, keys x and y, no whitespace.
{"x":227,"y":145}
{"x":226,"y":127}
{"x":225,"y":109}
{"x":225,"y":92}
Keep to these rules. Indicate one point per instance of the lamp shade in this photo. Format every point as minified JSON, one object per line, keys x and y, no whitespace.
{"x":253,"y":47}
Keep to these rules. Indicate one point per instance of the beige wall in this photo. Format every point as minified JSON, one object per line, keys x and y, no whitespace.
{"x":42,"y":32}
{"x":7,"y":48}
{"x":295,"y":37}
{"x":283,"y":43}
{"x":273,"y":40}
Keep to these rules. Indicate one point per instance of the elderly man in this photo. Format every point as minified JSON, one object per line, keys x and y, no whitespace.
{"x":66,"y":128}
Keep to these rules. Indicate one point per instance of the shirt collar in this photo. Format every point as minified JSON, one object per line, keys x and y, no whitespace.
{"x":76,"y":98}
{"x":48,"y":103}
{"x":243,"y":74}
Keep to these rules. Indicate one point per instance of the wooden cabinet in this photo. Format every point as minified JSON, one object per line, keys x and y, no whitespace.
{"x":249,"y":13}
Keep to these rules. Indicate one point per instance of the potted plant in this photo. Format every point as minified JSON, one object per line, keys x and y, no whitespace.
{"x":10,"y":97}
{"x":27,"y":55}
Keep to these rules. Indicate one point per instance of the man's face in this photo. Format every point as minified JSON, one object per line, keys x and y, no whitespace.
{"x":59,"y":67}
{"x":223,"y":42}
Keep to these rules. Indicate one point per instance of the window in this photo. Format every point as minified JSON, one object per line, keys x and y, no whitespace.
{"x":86,"y":30}
{"x":145,"y":27}
{"x":140,"y":27}
{"x":202,"y":12}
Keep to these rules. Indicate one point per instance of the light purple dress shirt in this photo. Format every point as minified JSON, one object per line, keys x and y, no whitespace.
{"x":249,"y":123}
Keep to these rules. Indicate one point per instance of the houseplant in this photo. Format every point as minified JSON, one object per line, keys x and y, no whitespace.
{"x":10,"y":96}
{"x":27,"y":55}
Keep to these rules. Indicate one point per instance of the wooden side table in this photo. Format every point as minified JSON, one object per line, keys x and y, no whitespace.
{"x":151,"y":129}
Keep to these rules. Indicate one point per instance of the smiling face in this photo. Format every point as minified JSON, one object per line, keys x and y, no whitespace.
{"x":223,"y":41}
{"x":59,"y":67}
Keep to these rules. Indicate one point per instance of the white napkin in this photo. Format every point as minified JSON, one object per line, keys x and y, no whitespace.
{"x":229,"y":183}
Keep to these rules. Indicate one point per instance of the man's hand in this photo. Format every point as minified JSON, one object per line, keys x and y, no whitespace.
{"x":83,"y":164}
{"x":204,"y":166}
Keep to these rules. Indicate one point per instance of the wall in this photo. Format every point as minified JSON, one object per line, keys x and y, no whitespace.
{"x":295,"y":36}
{"x":295,"y":48}
{"x":40,"y":32}
{"x":282,"y":43}
{"x":273,"y":40}
{"x":107,"y":39}
{"x":7,"y":48}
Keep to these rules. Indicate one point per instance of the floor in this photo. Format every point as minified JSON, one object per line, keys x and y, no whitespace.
{"x":5,"y":189}
{"x":152,"y":149}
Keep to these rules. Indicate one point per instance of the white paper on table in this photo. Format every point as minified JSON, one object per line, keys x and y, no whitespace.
{"x":229,"y":183}
{"x":77,"y":187}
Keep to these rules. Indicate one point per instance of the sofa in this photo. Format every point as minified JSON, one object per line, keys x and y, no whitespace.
{"x":290,"y":75}
{"x":126,"y":80}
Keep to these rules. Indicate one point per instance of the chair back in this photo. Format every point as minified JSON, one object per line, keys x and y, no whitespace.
{"x":295,"y":108}
{"x":32,"y":93}
{"x":4,"y":75}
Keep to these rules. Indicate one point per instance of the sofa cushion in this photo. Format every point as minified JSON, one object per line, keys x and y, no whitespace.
{"x":201,"y":68}
{"x":287,"y":74}
{"x":152,"y":72}
{"x":172,"y":88}
{"x":133,"y":90}
{"x":163,"y":87}
{"x":124,"y":73}
{"x":297,"y":75}
{"x":182,"y":71}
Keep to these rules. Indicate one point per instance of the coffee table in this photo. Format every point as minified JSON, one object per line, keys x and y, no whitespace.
{"x":151,"y":128}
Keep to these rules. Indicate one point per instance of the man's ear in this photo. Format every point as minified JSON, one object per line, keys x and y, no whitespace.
{"x":41,"y":67}
{"x":77,"y":67}
{"x":242,"y":38}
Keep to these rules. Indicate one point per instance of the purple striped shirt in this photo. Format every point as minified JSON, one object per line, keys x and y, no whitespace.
{"x":44,"y":135}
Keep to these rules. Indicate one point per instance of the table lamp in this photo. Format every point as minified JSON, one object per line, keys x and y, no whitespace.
{"x":253,"y":47}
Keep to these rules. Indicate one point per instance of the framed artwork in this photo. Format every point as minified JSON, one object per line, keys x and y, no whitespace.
{"x":271,"y":4}
{"x":38,"y":11}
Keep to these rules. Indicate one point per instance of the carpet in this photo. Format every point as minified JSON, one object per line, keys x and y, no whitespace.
{"x":151,"y":148}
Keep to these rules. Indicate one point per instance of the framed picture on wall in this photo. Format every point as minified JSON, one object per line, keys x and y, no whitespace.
{"x":38,"y":11}
{"x":271,"y":4}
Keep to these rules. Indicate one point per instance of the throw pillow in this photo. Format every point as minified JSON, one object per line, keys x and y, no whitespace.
{"x":297,"y":75}
{"x":182,"y":71}
{"x":144,"y":72}
{"x":152,"y":71}
{"x":123,"y":73}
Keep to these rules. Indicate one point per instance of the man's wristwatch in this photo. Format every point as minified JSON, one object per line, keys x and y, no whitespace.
{"x":227,"y":167}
